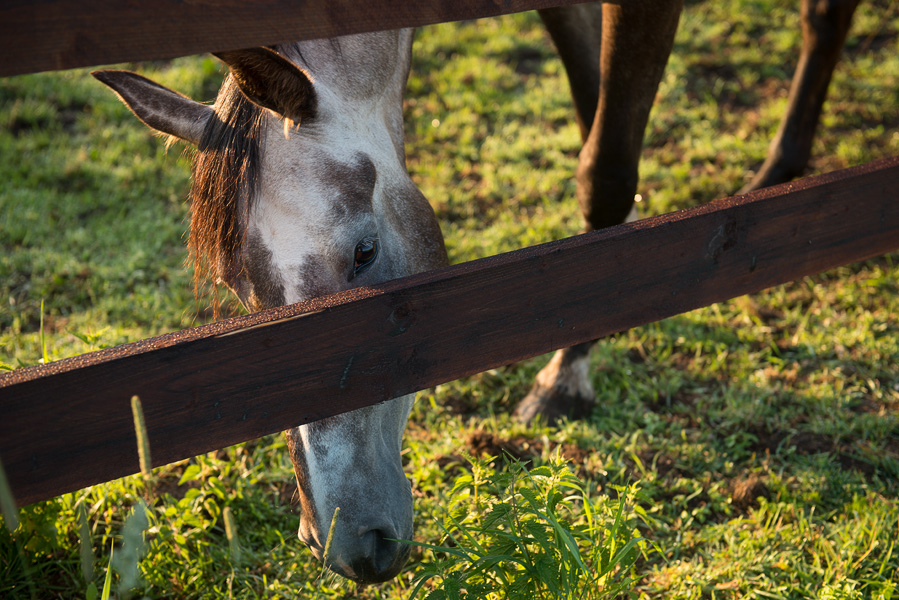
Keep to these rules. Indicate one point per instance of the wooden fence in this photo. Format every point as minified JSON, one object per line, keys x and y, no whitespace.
{"x":68,"y":424}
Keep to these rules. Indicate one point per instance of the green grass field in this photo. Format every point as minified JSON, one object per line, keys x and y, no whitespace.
{"x":761,"y":434}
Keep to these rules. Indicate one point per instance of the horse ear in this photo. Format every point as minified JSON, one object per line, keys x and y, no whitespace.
{"x":158,"y":107}
{"x":271,"y":81}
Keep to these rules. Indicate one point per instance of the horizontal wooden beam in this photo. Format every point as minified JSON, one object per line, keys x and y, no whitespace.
{"x":64,"y":34}
{"x":68,"y":424}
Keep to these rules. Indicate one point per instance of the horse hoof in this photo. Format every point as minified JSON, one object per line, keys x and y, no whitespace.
{"x":562,"y":389}
{"x":551,"y":406}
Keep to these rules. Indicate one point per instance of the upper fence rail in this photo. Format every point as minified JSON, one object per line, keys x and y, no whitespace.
{"x":63,"y":34}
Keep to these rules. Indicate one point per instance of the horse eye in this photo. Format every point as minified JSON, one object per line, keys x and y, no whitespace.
{"x":366,"y":253}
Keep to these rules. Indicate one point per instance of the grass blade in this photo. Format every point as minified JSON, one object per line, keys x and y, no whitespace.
{"x":87,"y":553}
{"x":8,"y":502}
{"x":231,"y":534}
{"x":330,"y":540}
{"x":45,"y":358}
{"x":107,"y":584}
{"x":143,"y":440}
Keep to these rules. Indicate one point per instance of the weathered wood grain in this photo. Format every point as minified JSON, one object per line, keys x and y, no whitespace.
{"x":68,"y":424}
{"x":63,"y":34}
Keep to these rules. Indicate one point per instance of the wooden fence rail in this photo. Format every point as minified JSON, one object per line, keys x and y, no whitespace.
{"x":68,"y":424}
{"x":63,"y":34}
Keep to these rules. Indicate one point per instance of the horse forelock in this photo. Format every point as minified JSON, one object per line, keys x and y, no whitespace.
{"x":225,"y":175}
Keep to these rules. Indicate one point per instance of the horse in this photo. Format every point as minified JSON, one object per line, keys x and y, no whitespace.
{"x":300,"y":190}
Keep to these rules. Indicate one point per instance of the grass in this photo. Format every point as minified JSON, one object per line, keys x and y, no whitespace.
{"x":763,"y":432}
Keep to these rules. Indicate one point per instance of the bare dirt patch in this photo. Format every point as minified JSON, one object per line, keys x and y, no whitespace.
{"x":481,"y":443}
{"x":808,"y":444}
{"x":745,"y":492}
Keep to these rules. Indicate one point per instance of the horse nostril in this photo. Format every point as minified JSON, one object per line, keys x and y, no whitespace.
{"x":385,"y":556}
{"x":383,"y":550}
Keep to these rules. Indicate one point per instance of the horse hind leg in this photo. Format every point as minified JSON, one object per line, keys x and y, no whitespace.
{"x":825,"y":24}
{"x":634,"y":40}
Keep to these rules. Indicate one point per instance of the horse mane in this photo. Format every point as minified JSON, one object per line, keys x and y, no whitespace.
{"x":225,"y":170}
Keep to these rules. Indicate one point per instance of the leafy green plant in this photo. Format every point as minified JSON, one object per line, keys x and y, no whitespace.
{"x":519,"y":533}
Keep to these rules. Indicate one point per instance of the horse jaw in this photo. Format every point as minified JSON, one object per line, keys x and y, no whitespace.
{"x":352,"y":462}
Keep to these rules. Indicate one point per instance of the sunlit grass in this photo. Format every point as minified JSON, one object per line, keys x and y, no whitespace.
{"x":764,"y":431}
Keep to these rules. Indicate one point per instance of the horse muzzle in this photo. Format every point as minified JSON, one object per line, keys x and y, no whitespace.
{"x":371,"y":556}
{"x":352,"y":461}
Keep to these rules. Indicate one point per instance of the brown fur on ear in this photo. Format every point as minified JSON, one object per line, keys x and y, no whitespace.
{"x":157,"y":106}
{"x":271,"y":81}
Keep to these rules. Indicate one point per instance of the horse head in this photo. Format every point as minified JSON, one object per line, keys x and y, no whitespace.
{"x":300,"y":190}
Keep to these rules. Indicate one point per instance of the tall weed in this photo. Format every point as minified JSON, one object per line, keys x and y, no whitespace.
{"x":516,"y":533}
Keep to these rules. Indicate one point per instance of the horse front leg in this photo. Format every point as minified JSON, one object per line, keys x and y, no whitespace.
{"x":636,"y":40}
{"x":825,"y":24}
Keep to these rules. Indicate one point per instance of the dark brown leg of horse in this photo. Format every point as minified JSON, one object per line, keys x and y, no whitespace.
{"x":825,"y":24}
{"x":577,"y":34}
{"x":636,"y":39}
